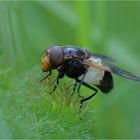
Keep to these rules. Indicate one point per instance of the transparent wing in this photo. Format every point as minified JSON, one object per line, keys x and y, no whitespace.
{"x":98,"y":63}
{"x":124,"y":73}
{"x":104,"y":58}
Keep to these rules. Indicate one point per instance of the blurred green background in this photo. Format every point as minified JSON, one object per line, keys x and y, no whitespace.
{"x":27,"y":29}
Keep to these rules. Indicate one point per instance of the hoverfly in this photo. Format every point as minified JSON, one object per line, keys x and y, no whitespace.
{"x":91,"y":70}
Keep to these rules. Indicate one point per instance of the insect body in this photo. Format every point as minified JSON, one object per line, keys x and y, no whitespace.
{"x":90,"y":70}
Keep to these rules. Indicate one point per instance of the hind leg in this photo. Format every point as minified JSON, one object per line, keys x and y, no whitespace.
{"x":89,"y":97}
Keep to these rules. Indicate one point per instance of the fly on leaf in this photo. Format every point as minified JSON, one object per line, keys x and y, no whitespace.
{"x":91,"y":70}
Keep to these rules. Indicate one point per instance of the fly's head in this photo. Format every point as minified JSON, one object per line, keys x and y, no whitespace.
{"x":52,"y":58}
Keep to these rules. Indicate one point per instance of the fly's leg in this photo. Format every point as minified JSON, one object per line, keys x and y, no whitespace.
{"x":60,"y":75}
{"x":89,"y":97}
{"x":56,"y":84}
{"x":74,"y":88}
{"x":49,"y":73}
{"x":81,"y":81}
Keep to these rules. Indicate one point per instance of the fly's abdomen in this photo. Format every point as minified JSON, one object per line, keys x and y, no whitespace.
{"x":100,"y":78}
{"x":106,"y":84}
{"x":93,"y":76}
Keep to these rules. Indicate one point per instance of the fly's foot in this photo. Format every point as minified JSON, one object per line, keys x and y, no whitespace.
{"x":81,"y":101}
{"x":73,"y":88}
{"x":50,"y":93}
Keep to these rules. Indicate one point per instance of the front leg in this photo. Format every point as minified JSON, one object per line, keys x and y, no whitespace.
{"x":49,"y":74}
{"x":60,"y":75}
{"x":56,"y":84}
